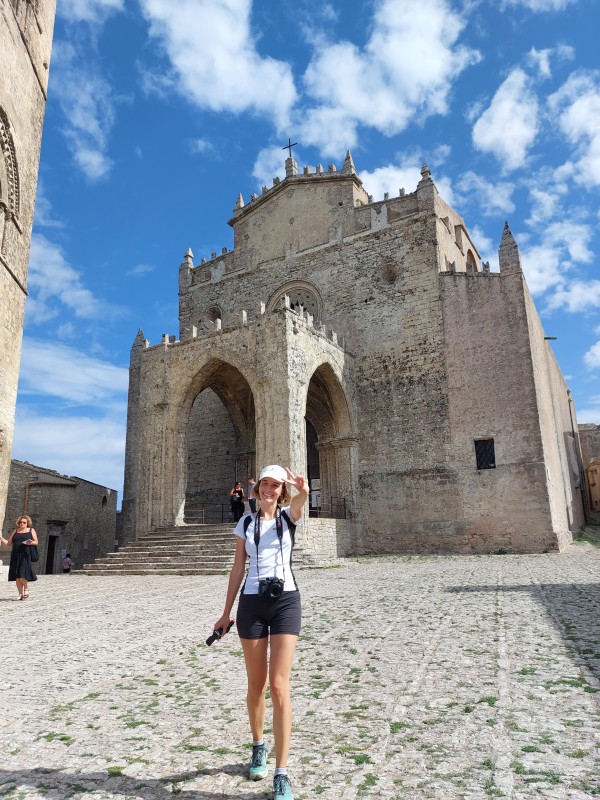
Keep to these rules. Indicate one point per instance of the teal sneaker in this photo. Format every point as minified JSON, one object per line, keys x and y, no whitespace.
{"x":282,"y":788}
{"x":258,"y":764}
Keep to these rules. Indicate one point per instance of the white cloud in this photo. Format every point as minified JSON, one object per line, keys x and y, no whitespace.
{"x":541,"y":59}
{"x":576,"y":105}
{"x":577,"y":296}
{"x":140,"y":269}
{"x":269,"y":164}
{"x":200,"y":145}
{"x":66,"y":331}
{"x":215,"y":63}
{"x":87,"y":447}
{"x":543,"y":267}
{"x":491,"y":198}
{"x":92,"y":11}
{"x":540,"y":5}
{"x":44,"y":217}
{"x":509,"y":126}
{"x":487,"y":249}
{"x":91,"y":444}
{"x":61,"y":371}
{"x":592,"y":360}
{"x":549,"y":266}
{"x":88,"y":106}
{"x":391,"y":179}
{"x":591,"y":413}
{"x":56,"y":285}
{"x":406,"y":69}
{"x":545,"y":204}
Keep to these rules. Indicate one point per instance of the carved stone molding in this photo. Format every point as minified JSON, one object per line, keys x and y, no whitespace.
{"x":12,"y":192}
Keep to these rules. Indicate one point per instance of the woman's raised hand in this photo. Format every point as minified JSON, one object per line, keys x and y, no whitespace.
{"x":299,"y":482}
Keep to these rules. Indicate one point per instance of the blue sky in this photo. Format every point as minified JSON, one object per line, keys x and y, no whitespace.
{"x":158,"y":118}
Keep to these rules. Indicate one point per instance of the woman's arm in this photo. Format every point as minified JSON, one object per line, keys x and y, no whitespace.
{"x":299,"y":483}
{"x":34,"y":537}
{"x":236,"y":576}
{"x":9,"y":540}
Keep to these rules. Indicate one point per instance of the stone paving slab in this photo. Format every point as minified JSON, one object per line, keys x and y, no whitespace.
{"x":416,"y":677}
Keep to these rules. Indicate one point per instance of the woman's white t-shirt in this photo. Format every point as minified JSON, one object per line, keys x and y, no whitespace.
{"x":271,"y":564}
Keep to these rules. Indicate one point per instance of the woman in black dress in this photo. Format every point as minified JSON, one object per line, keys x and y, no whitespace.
{"x":20,"y":569}
{"x":237,"y":501}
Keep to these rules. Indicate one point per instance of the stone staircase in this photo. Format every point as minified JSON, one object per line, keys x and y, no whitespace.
{"x":184,"y":550}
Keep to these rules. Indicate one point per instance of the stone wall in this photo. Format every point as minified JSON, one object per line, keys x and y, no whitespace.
{"x":212,"y":454}
{"x":330,"y":538}
{"x":589,"y":437}
{"x":69,"y":515}
{"x":25,"y":43}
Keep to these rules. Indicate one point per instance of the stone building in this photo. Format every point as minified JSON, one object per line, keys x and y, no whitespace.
{"x":26,"y":28}
{"x":589,"y":436}
{"x":70,"y":515}
{"x":364,"y":343}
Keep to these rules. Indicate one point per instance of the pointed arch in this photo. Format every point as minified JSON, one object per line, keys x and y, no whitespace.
{"x":471,"y":262}
{"x":331,"y":443}
{"x":218,"y":427}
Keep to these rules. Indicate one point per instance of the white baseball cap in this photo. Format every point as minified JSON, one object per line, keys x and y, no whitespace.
{"x":274,"y":471}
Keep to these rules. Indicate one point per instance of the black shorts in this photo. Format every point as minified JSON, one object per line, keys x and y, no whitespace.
{"x":257,"y":617}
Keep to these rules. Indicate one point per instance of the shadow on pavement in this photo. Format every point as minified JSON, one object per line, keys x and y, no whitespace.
{"x":573,"y":609}
{"x":58,"y":785}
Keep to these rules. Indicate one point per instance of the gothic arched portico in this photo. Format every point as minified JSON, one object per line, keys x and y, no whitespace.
{"x":215,"y":432}
{"x":220,"y":442}
{"x":328,"y":419}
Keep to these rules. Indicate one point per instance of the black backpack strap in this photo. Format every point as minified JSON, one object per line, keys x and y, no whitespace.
{"x":292,"y":529}
{"x":247,"y":521}
{"x":291,"y":525}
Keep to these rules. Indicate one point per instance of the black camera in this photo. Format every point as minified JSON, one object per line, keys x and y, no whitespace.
{"x":271,"y":588}
{"x":216,"y":635}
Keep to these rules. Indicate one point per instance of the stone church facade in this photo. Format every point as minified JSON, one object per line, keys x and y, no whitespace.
{"x":362,"y":342}
{"x":26,"y":28}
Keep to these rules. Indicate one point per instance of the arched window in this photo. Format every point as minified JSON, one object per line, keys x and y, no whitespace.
{"x":471,"y":263}
{"x":301,"y":294}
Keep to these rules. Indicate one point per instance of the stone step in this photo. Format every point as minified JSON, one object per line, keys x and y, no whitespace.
{"x":173,"y":566}
{"x":184,"y":546}
{"x":182,"y":550}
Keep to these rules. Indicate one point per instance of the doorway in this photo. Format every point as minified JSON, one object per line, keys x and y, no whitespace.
{"x":54,"y":531}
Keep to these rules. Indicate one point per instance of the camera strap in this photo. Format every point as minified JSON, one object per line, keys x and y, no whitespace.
{"x":279,"y":529}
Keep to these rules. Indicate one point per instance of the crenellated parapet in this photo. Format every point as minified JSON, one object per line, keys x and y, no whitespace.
{"x":301,"y":320}
{"x":468,"y":262}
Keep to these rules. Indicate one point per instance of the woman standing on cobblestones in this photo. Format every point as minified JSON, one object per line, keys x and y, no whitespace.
{"x":269,"y":613}
{"x":20,"y":569}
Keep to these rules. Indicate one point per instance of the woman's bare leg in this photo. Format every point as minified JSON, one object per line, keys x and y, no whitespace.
{"x":283,"y":647}
{"x":255,"y":656}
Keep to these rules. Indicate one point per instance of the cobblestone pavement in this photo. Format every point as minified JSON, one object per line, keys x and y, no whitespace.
{"x":416,"y":677}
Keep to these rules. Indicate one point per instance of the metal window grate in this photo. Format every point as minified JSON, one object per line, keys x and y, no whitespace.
{"x":484,"y":453}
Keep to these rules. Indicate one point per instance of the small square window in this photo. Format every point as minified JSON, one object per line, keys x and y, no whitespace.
{"x":484,"y":453}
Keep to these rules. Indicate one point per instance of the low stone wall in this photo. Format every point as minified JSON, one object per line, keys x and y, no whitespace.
{"x":330,"y":538}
